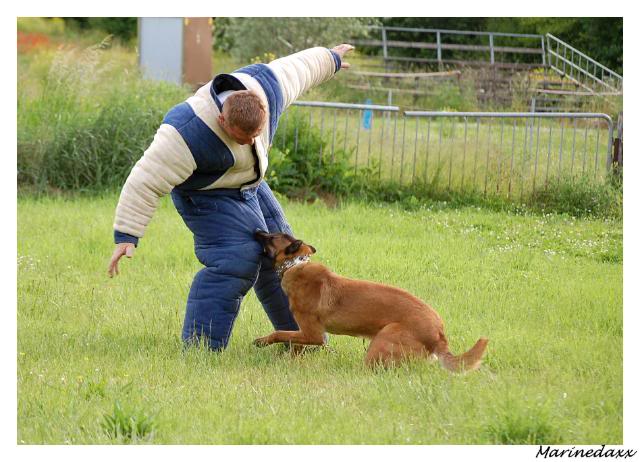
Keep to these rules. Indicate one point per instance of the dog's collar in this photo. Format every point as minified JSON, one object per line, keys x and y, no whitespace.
{"x":288,"y":264}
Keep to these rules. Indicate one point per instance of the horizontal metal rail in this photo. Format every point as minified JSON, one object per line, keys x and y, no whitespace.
{"x":439,"y":46}
{"x":512,"y":115}
{"x":577,"y":93}
{"x":372,"y":107}
{"x":455,"y":32}
{"x":449,"y":46}
{"x":462,"y":62}
{"x":407,"y":75}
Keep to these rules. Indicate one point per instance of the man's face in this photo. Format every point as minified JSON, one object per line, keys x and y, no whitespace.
{"x":236,"y":134}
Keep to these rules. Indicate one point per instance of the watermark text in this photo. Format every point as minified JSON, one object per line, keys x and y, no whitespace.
{"x":547,"y":452}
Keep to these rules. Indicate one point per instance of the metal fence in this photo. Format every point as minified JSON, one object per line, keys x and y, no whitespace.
{"x":478,"y":48}
{"x":581,"y":69}
{"x":503,"y":153}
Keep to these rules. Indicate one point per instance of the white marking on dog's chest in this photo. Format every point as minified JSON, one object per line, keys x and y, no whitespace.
{"x":288,"y":264}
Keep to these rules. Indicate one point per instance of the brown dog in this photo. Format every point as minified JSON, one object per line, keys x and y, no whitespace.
{"x":398,"y":324}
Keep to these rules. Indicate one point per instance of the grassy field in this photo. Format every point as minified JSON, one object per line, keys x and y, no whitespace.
{"x":546,"y":289}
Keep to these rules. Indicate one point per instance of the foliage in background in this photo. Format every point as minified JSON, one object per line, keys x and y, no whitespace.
{"x":246,"y":38}
{"x":37,"y":33}
{"x":600,"y":38}
{"x":123,"y":28}
{"x":49,"y":26}
{"x":84,"y":118}
{"x":451,"y":94}
{"x":298,"y":169}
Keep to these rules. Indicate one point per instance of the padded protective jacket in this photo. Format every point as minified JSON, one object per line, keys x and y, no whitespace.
{"x":191,"y":152}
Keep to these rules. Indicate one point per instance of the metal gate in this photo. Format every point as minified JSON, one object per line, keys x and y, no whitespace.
{"x":504,"y":153}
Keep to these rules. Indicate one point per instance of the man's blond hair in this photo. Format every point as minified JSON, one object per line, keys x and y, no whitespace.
{"x":245,"y":111}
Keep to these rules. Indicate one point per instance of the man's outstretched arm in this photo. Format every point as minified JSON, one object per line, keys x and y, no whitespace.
{"x":306,"y":69}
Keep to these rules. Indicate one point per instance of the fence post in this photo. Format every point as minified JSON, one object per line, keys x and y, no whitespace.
{"x":617,"y":148}
{"x":439,"y":46}
{"x":491,"y":49}
{"x":609,"y":145}
{"x":384,"y":43}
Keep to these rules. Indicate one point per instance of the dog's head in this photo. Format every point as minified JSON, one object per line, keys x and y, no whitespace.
{"x":281,"y":246}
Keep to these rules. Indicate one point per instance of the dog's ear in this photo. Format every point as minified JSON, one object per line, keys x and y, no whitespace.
{"x":265,"y":239}
{"x":259,"y":234}
{"x":293,"y":247}
{"x":313,"y":249}
{"x":270,"y":251}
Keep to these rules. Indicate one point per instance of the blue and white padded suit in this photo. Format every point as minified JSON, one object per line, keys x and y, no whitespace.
{"x":217,"y":187}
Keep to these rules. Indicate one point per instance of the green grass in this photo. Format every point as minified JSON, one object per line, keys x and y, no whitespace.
{"x":100,"y":360}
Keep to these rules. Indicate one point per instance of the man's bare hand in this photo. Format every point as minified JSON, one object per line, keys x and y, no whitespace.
{"x":343,"y":50}
{"x":125,"y":248}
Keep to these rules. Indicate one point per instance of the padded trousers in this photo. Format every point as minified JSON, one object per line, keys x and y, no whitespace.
{"x":223,"y":223}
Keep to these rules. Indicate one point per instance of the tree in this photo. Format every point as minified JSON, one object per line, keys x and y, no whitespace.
{"x":250,"y":38}
{"x":123,"y":28}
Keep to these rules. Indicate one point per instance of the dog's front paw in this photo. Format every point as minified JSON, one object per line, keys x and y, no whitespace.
{"x":262,"y":342}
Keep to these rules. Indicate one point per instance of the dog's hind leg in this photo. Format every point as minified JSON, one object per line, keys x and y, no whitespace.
{"x":393,"y":344}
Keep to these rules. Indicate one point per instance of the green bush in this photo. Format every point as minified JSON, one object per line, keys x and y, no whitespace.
{"x":86,"y":119}
{"x":303,"y":165}
{"x":123,"y":28}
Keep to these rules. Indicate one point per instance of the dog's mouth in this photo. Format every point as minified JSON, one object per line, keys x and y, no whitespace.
{"x":275,"y":245}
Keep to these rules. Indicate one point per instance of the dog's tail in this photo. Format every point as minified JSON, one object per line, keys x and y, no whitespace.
{"x":465,"y":362}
